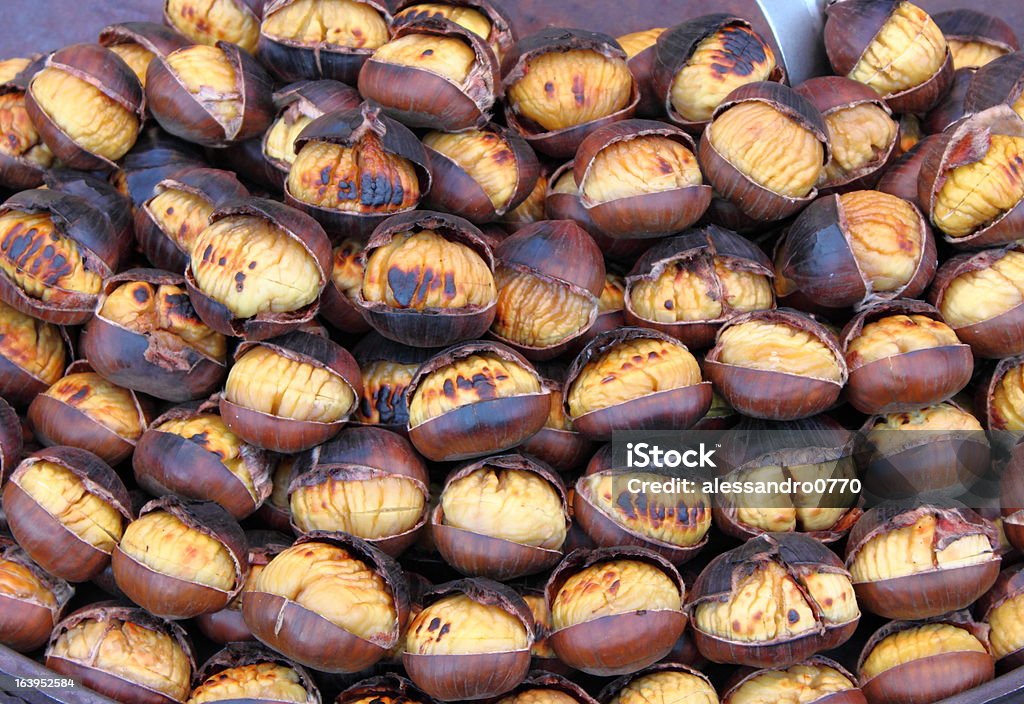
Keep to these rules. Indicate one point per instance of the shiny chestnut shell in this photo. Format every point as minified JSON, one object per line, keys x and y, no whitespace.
{"x":11,"y":440}
{"x":564,"y":450}
{"x":901,"y":176}
{"x":158,"y":39}
{"x":25,"y":624}
{"x":155,"y":156}
{"x":999,"y":82}
{"x":969,"y":25}
{"x":612,"y":690}
{"x":502,"y":38}
{"x":17,"y":172}
{"x":101,"y":194}
{"x":1009,"y":585}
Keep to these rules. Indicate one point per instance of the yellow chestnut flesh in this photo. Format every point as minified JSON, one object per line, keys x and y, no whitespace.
{"x":457,"y":625}
{"x":885,"y":235}
{"x":562,"y":89}
{"x":347,"y":270}
{"x":907,"y":51}
{"x":447,"y":57}
{"x":272,"y":273}
{"x":976,"y":194}
{"x":861,"y":136}
{"x":280,"y":140}
{"x":612,"y":588}
{"x":367,"y":508}
{"x":31,"y":345}
{"x":259,"y":681}
{"x":423,"y":270}
{"x":136,"y":56}
{"x":731,"y":57}
{"x":777,"y":347}
{"x":211,"y":21}
{"x":613,"y":295}
{"x":897,"y":334}
{"x":18,"y":582}
{"x":210,"y":433}
{"x":636,"y":42}
{"x":683,"y":292}
{"x":207,"y":74}
{"x":943,"y":416}
{"x":680,"y":519}
{"x":557,"y":419}
{"x":41,"y":261}
{"x":180,"y":215}
{"x":542,"y":618}
{"x":531,"y":209}
{"x":18,"y":136}
{"x":95,"y":122}
{"x":164,"y":544}
{"x":479,"y":377}
{"x":973,"y":53}
{"x":473,"y":20}
{"x":334,"y":23}
{"x":331,"y":582}
{"x":648,"y":164}
{"x":111,"y":406}
{"x":1006,"y":633}
{"x":538,"y":312}
{"x":915,"y":549}
{"x":65,"y":496}
{"x":976,"y":296}
{"x":383,"y":399}
{"x":485,"y":156}
{"x":538,"y":696}
{"x":784,"y":512}
{"x":10,"y":68}
{"x":918,"y":643}
{"x":768,"y":147}
{"x":515,"y":505}
{"x":631,"y":370}
{"x":799,"y":684}
{"x":666,"y":687}
{"x":1008,"y":401}
{"x":126,"y":650}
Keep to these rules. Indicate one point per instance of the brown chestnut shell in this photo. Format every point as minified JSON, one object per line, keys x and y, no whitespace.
{"x":25,"y":624}
{"x":11,"y":440}
{"x":901,"y":176}
{"x":502,"y":39}
{"x":973,"y":26}
{"x":848,"y":696}
{"x":241,"y":654}
{"x":998,"y":82}
{"x":17,"y":172}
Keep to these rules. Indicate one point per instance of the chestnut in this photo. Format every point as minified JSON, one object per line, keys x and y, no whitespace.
{"x":387,"y":368}
{"x":894,"y":47}
{"x":542,"y":656}
{"x":545,"y":687}
{"x":355,"y":168}
{"x":24,"y":155}
{"x":87,"y":105}
{"x":816,"y":680}
{"x":902,"y":356}
{"x":1000,"y":610}
{"x":611,"y":304}
{"x":471,"y":641}
{"x":1002,"y":403}
{"x":474,"y":399}
{"x":975,"y":38}
{"x":211,"y":95}
{"x":337,"y":306}
{"x":169,"y":221}
{"x":776,"y":600}
{"x":92,"y":646}
{"x":776,"y":364}
{"x":270,"y":286}
{"x":765,"y":150}
{"x":687,"y":286}
{"x":138,"y":42}
{"x":558,"y":443}
{"x":566,"y":83}
{"x":485,"y":18}
{"x":103,"y":195}
{"x":674,"y":525}
{"x":31,"y":599}
{"x":663,"y":683}
{"x":331,"y":602}
{"x":61,"y":281}
{"x":428,"y":280}
{"x":155,"y":156}
{"x":12,"y":440}
{"x":901,"y":176}
{"x":246,"y":672}
{"x":307,"y":39}
{"x":952,"y":107}
{"x":912,"y":561}
{"x":32,"y":355}
{"x":981,"y":296}
{"x":210,"y":21}
{"x":367,"y":482}
{"x":529,"y":211}
{"x":908,"y":662}
{"x":997,"y":83}
{"x":275,"y":512}
{"x":699,"y":62}
{"x":634,"y":379}
{"x":640,"y":48}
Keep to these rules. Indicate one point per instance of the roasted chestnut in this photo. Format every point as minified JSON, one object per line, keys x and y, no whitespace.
{"x":249,"y":672}
{"x":32,"y":355}
{"x":211,"y":21}
{"x":558,"y":443}
{"x":155,"y":156}
{"x":997,"y":83}
{"x":23,"y":154}
{"x":530,"y":210}
{"x":542,"y":656}
{"x":640,"y":48}
{"x":12,"y":439}
{"x":901,"y":176}
{"x":1000,"y":609}
{"x":275,"y":513}
{"x":31,"y":600}
{"x":138,"y":42}
{"x":1003,"y":397}
{"x":975,"y":38}
{"x":484,"y":18}
{"x":952,"y":107}
{"x":817,"y":680}
{"x":103,"y":195}
{"x":386,"y":368}
{"x":663,"y":683}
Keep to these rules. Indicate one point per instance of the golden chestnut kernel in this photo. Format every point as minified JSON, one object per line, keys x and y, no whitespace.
{"x":447,"y":57}
{"x":915,"y":549}
{"x":1008,"y":400}
{"x":794,"y":685}
{"x":10,"y":68}
{"x":860,"y":136}
{"x":136,"y":56}
{"x":280,"y":480}
{"x":885,"y":235}
{"x":207,"y":74}
{"x":362,"y":178}
{"x":347,"y":270}
{"x":731,"y":57}
{"x":677,"y":519}
{"x":769,"y":148}
{"x":165,"y":312}
{"x":666,"y":687}
{"x":515,"y":505}
{"x":280,"y":140}
{"x":973,"y":53}
{"x":258,"y":681}
{"x":269,"y":382}
{"x":421,"y":270}
{"x":19,"y":582}
{"x":1006,"y":627}
{"x":684,"y":292}
{"x":272,"y":273}
{"x":975,"y":194}
{"x":557,"y":419}
{"x":613,"y":295}
{"x":63,"y":495}
{"x":94,"y":121}
{"x":636,"y":42}
{"x":366,"y":508}
{"x":250,"y":583}
{"x":485,"y":156}
{"x":918,"y":643}
{"x":457,"y":625}
{"x":383,"y":399}
{"x":612,"y":588}
{"x":209,"y":432}
{"x":897,"y":334}
{"x":41,"y":261}
{"x":164,"y":544}
{"x":149,"y":658}
{"x":479,"y":377}
{"x":211,"y":21}
{"x":180,"y":215}
{"x":111,"y":406}
{"x":330,"y":581}
{"x":538,"y":312}
{"x":648,"y":164}
{"x":31,"y":345}
{"x":943,"y":416}
{"x":786,"y":512}
{"x":976,"y":296}
{"x":907,"y":51}
{"x":538,"y":696}
{"x":562,"y":89}
{"x":541,"y":617}
{"x":566,"y":183}
{"x":631,"y":370}
{"x":331,"y":23}
{"x":531,"y":209}
{"x":467,"y":17}
{"x":777,"y":347}
{"x":18,"y":136}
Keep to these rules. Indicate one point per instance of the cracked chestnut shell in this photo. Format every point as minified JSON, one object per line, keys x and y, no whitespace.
{"x":484,"y":18}
{"x":337,"y":305}
{"x":794,"y":580}
{"x":387,"y":688}
{"x":387,"y":368}
{"x":103,"y":195}
{"x":31,"y":599}
{"x":689,"y":285}
{"x":1001,"y":400}
{"x":765,"y":150}
{"x":33,"y":354}
{"x":816,"y":680}
{"x":155,"y":156}
{"x":250,"y":673}
{"x":1000,"y":610}
{"x":975,"y":39}
{"x":916,"y":662}
{"x":999,"y":82}
{"x":210,"y":95}
{"x":211,"y":21}
{"x":138,"y":42}
{"x":776,"y":364}
{"x":640,"y":179}
{"x":558,"y":443}
{"x":354,"y":169}
{"x":67,"y":509}
{"x":564,"y":84}
{"x":894,"y":47}
{"x":24,"y":155}
{"x":640,"y":48}
{"x":912,"y":562}
{"x":662,"y":683}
